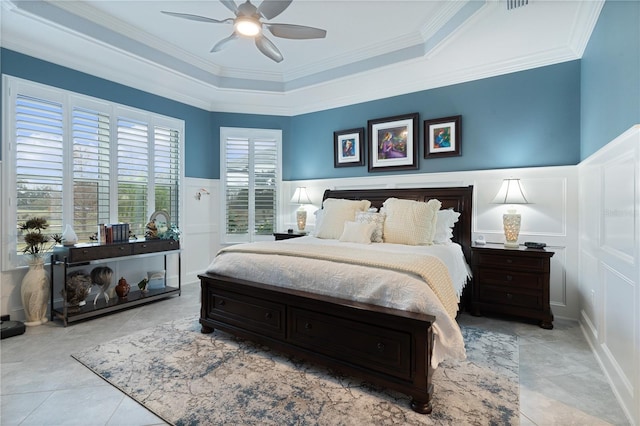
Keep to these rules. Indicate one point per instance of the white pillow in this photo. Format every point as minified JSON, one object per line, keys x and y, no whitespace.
{"x":410,"y":222}
{"x":377,"y":219}
{"x":336,"y":213}
{"x":444,"y":226}
{"x":355,"y":232}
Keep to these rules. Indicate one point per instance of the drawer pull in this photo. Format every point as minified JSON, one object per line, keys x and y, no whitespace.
{"x":85,"y":251}
{"x":509,"y":260}
{"x":144,"y":246}
{"x":307,"y":326}
{"x":509,"y":278}
{"x":221,"y":302}
{"x":121,"y":248}
{"x":380,"y":347}
{"x":268,"y":315}
{"x":509,"y":296}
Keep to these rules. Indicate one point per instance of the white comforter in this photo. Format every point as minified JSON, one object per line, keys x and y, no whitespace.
{"x":360,"y":283}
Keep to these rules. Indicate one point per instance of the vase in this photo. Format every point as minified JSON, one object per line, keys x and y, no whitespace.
{"x":69,"y":236}
{"x":35,"y":293}
{"x":122,"y":289}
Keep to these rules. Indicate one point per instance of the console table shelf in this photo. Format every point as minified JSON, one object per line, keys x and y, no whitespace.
{"x":66,"y":259}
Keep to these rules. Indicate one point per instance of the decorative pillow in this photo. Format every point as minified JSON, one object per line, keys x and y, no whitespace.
{"x":336,"y":213}
{"x":319,"y":214}
{"x":355,"y":232}
{"x":410,"y":222}
{"x":447,"y":218}
{"x":377,"y":219}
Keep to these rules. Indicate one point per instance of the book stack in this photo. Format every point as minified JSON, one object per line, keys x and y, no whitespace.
{"x":113,"y":233}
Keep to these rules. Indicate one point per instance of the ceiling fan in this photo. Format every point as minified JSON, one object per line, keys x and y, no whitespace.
{"x":248,"y":22}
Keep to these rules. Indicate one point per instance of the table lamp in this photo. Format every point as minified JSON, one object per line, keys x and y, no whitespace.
{"x":511,"y":193}
{"x":300,"y":196}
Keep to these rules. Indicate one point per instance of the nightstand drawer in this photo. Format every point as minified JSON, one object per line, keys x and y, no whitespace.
{"x":510,"y":296}
{"x":504,"y":260}
{"x":509,"y":279}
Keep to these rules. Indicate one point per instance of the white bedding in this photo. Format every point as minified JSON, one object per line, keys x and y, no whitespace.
{"x":365,"y":284}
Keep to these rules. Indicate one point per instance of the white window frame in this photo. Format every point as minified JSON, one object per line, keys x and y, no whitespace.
{"x":11,"y":86}
{"x":250,"y":134}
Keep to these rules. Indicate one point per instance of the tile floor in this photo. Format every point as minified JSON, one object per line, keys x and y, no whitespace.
{"x":560,"y":380}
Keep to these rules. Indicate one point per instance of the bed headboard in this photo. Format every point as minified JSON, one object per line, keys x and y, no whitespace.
{"x":457,"y":198}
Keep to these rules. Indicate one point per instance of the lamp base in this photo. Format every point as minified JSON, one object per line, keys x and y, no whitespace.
{"x":511,"y":222}
{"x":301,"y":218}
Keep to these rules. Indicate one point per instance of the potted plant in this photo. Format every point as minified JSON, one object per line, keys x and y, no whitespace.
{"x":35,"y":284}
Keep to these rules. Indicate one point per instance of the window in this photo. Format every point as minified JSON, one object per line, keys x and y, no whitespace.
{"x":251,"y":174}
{"x":83,"y":161}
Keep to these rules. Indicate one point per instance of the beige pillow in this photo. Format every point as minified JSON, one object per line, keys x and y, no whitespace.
{"x":336,"y":213}
{"x":355,"y":232}
{"x":410,"y":222}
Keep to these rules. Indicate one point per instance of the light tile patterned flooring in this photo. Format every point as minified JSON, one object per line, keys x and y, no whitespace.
{"x":560,"y":380}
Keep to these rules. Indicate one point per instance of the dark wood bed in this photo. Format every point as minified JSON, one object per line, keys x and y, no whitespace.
{"x":388,"y":347}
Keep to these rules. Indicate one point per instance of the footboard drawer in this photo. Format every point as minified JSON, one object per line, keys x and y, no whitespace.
{"x":384,"y":350}
{"x":246,"y":312}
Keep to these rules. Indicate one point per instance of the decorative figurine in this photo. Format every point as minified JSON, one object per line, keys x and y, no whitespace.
{"x":77,"y":289}
{"x":152,"y":230}
{"x":142,"y":285}
{"x":101,"y":276}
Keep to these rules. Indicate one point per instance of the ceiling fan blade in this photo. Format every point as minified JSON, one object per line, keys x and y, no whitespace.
{"x":269,"y":9}
{"x":269,"y":49}
{"x":231,"y":5}
{"x":298,"y":32}
{"x":197,"y":17}
{"x":222,"y":43}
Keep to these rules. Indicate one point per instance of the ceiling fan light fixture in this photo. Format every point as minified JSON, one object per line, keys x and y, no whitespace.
{"x":247,"y":26}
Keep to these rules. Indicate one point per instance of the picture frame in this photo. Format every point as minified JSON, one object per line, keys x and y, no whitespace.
{"x":443,"y":137}
{"x":393,"y":143}
{"x":348,"y":147}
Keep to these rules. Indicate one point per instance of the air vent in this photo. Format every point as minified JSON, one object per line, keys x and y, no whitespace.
{"x":513,"y":4}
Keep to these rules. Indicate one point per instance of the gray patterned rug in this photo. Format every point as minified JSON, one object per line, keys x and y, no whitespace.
{"x":189,"y":378}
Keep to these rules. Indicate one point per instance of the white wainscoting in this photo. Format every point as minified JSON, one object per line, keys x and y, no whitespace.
{"x":552,"y":217}
{"x":609,"y":264}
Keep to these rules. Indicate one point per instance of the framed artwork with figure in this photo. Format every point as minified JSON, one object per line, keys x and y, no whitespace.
{"x":393,"y":143}
{"x":442,"y":137}
{"x":348,"y":147}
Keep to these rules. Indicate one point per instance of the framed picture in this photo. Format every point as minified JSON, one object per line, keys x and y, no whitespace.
{"x":393,"y":143}
{"x":348,"y":148}
{"x":442,"y":137}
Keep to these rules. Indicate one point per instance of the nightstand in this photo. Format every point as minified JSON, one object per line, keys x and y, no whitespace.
{"x":287,"y":235}
{"x":511,"y":281}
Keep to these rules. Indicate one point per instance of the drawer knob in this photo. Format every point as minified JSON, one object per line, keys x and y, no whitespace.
{"x":509,"y":296}
{"x":509,"y":260}
{"x":307,"y":326}
{"x":221,"y":302}
{"x":144,"y":246}
{"x":121,"y":248}
{"x":85,"y":251}
{"x":380,"y":347}
{"x":509,"y":277}
{"x":268,"y":315}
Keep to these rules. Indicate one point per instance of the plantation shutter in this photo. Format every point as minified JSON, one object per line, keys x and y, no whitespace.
{"x":133,"y":173}
{"x":167,"y":170}
{"x":91,"y":174}
{"x":251,"y":175}
{"x":39,"y":161}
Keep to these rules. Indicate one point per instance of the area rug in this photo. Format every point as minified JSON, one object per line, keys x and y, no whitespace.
{"x":189,"y":378}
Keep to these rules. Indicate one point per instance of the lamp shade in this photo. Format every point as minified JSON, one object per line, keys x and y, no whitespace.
{"x":300,"y":196}
{"x":510,"y":193}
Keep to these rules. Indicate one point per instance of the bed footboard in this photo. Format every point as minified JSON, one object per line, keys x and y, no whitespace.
{"x":388,"y":347}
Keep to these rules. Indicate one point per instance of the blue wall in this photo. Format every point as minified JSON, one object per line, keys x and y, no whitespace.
{"x":611,"y":76}
{"x":524,"y":119}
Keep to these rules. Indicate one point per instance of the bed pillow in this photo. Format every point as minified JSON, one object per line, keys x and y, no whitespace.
{"x":446,"y":219}
{"x":377,"y":219}
{"x":336,"y":213}
{"x":410,"y":222}
{"x":356,"y":232}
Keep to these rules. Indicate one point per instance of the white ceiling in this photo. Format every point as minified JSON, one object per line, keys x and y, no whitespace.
{"x":373,"y":49}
